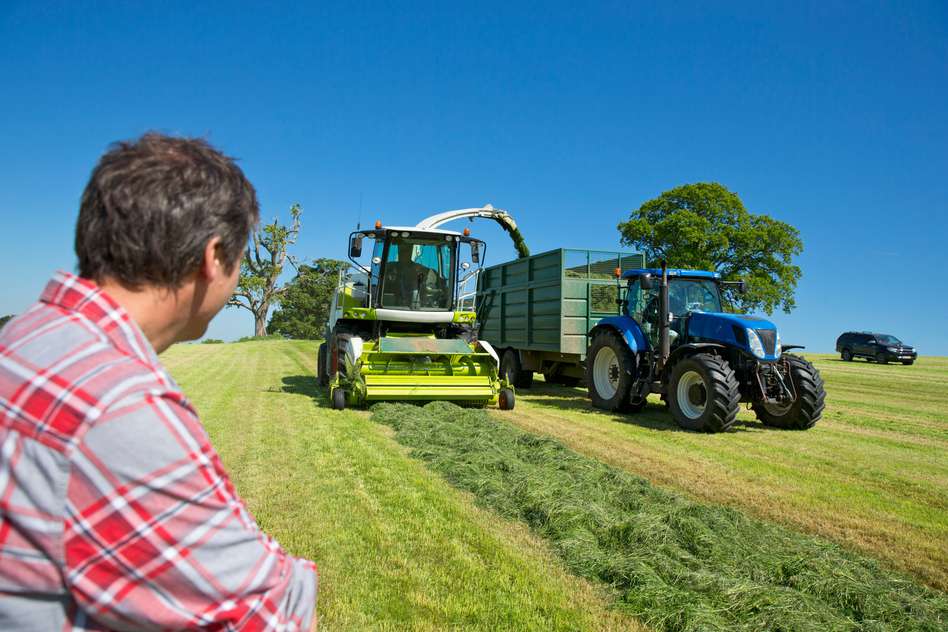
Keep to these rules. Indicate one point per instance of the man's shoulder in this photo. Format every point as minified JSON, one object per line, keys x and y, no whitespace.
{"x":59,"y":374}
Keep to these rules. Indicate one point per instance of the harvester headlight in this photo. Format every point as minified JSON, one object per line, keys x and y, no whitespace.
{"x":753,"y":341}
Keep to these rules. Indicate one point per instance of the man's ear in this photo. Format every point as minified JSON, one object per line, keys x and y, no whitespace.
{"x":213,"y":264}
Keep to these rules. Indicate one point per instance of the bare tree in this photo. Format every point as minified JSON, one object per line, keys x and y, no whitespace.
{"x":261,"y":267}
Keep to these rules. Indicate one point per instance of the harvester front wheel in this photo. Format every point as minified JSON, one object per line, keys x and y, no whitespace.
{"x":338,"y":399}
{"x":808,"y":407}
{"x":322,"y":376}
{"x":506,"y":400}
{"x":610,"y":369}
{"x":703,"y":393}
{"x":512,"y":369}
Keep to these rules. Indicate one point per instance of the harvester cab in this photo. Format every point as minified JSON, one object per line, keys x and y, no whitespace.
{"x":674,"y":338}
{"x":402,"y":323}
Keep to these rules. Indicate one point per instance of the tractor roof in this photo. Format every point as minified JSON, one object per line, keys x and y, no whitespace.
{"x":672,"y":272}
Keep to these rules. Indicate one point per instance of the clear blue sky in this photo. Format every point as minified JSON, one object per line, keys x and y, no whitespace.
{"x":830,"y":116}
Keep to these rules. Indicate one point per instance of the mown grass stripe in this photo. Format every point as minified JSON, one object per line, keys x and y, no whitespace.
{"x":675,"y":563}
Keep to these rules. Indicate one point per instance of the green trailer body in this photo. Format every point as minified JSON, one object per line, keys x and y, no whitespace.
{"x":540,"y":308}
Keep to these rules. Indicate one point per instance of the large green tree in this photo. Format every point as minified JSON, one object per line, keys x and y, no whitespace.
{"x":261,"y":267}
{"x":304,"y":302}
{"x":704,"y":226}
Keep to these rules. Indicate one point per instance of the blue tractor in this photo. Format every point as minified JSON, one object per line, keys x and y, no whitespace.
{"x":673,"y":338}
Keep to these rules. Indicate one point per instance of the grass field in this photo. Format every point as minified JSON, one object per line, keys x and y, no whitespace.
{"x":873,"y":473}
{"x":399,"y":548}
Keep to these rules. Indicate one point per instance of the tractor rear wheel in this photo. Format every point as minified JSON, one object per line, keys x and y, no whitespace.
{"x":512,"y":369}
{"x":610,"y":370}
{"x":803,"y":413}
{"x":322,"y":375}
{"x":703,"y":393}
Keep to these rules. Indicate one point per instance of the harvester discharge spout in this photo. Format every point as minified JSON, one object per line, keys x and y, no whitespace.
{"x":487,"y":211}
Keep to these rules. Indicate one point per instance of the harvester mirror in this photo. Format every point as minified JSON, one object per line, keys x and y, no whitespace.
{"x":355,"y":247}
{"x":475,"y":252}
{"x":646,"y":281}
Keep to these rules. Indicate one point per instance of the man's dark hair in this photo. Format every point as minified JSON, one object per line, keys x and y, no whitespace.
{"x":152,"y":205}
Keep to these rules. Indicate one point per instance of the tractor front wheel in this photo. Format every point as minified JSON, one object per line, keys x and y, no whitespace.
{"x":610,"y":370}
{"x":807,"y":409}
{"x":703,"y":393}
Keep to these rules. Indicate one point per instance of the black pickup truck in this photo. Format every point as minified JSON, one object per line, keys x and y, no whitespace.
{"x":882,"y":348}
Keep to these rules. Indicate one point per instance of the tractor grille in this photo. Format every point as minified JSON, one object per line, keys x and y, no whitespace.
{"x":769,"y":339}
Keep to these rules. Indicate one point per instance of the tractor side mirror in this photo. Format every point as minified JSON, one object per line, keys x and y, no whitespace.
{"x":645,"y":281}
{"x":475,"y":252}
{"x":355,"y":247}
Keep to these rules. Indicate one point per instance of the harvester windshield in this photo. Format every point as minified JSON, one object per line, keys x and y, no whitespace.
{"x":418,"y":273}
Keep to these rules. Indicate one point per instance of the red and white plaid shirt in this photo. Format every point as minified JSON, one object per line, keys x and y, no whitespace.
{"x":115,"y":511}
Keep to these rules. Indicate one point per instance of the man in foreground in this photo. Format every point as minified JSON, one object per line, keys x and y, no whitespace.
{"x":115,"y":511}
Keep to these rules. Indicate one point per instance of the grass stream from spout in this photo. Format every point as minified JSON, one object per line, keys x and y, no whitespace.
{"x":672,"y":562}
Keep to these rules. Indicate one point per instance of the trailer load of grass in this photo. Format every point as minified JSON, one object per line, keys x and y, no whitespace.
{"x":674,"y":563}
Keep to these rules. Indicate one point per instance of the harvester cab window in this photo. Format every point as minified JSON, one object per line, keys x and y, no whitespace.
{"x":418,"y":273}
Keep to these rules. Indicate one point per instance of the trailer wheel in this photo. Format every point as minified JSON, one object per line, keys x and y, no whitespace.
{"x":338,"y":399}
{"x":322,"y":375}
{"x":512,"y":369}
{"x":506,"y":399}
{"x":703,"y":393}
{"x":610,"y":370}
{"x":803,"y":413}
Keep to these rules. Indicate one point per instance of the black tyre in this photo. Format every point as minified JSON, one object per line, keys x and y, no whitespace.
{"x":506,"y":400}
{"x":907,"y":362}
{"x":562,"y":380}
{"x":512,"y":369}
{"x":322,"y":374}
{"x":338,"y":399}
{"x":881,"y":358}
{"x":610,"y":371}
{"x":847,"y":355}
{"x":803,"y":413}
{"x":703,"y":393}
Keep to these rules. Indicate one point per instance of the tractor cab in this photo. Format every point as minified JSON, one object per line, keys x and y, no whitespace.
{"x":695,"y":313}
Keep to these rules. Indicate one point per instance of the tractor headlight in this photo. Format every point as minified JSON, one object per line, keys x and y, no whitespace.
{"x":777,"y":348}
{"x":753,"y":341}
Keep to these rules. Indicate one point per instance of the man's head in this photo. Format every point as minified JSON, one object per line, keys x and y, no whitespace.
{"x":169,"y":214}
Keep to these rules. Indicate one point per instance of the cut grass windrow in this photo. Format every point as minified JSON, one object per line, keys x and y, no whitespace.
{"x":674,"y":563}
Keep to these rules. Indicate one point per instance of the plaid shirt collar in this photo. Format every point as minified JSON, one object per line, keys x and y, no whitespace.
{"x":79,"y":295}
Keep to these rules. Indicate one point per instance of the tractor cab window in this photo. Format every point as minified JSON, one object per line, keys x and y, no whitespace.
{"x":418,"y":273}
{"x":693,"y":295}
